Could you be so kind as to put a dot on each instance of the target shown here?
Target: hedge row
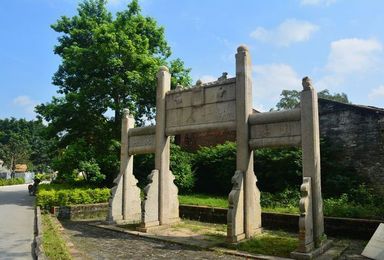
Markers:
(14, 181)
(48, 196)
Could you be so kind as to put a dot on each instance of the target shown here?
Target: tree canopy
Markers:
(109, 63)
(291, 98)
(23, 141)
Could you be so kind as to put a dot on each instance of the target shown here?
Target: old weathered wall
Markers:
(357, 133)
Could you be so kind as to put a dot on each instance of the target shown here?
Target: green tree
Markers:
(291, 98)
(109, 63)
(24, 141)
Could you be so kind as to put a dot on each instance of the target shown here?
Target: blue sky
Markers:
(338, 43)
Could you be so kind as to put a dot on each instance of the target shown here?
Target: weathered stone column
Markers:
(125, 201)
(168, 200)
(131, 193)
(311, 155)
(244, 158)
(306, 219)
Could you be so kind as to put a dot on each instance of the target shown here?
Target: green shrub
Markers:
(62, 195)
(214, 168)
(278, 169)
(92, 171)
(180, 165)
(13, 181)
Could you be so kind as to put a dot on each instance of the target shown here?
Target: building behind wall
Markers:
(356, 132)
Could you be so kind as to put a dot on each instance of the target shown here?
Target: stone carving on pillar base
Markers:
(172, 215)
(150, 204)
(235, 215)
(306, 243)
(132, 201)
(115, 213)
(254, 219)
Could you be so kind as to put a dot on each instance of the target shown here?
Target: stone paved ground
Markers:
(104, 244)
(100, 243)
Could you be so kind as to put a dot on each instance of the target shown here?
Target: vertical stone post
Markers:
(244, 158)
(131, 193)
(125, 201)
(167, 198)
(311, 155)
(306, 219)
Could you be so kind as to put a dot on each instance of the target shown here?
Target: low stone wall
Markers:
(86, 211)
(339, 227)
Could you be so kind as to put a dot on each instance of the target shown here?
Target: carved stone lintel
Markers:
(235, 215)
(150, 204)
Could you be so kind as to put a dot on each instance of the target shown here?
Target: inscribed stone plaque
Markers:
(201, 105)
(277, 134)
(375, 246)
(281, 129)
(141, 144)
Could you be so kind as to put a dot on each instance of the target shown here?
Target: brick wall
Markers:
(357, 133)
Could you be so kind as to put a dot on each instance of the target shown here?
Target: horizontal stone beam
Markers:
(146, 130)
(275, 117)
(286, 141)
(141, 150)
(230, 126)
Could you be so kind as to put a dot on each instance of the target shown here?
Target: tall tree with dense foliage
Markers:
(23, 141)
(291, 98)
(109, 63)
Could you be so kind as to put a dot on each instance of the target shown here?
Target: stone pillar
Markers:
(306, 243)
(235, 215)
(150, 205)
(125, 201)
(311, 155)
(168, 200)
(131, 193)
(244, 158)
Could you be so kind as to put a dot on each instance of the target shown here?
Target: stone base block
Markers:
(124, 222)
(171, 221)
(145, 227)
(255, 232)
(236, 238)
(313, 254)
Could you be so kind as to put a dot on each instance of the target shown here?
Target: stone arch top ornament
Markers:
(225, 104)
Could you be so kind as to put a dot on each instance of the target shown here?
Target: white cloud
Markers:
(352, 55)
(288, 32)
(22, 101)
(377, 92)
(26, 103)
(270, 80)
(207, 78)
(317, 2)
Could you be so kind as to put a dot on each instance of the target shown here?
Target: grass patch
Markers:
(222, 202)
(201, 227)
(275, 243)
(288, 203)
(53, 244)
(204, 200)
